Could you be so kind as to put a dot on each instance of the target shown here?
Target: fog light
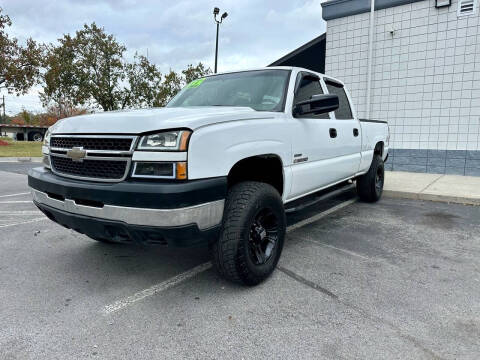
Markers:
(154, 170)
(46, 161)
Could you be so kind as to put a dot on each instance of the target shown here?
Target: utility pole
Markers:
(3, 106)
(216, 11)
(216, 48)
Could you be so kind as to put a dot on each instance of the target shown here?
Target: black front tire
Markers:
(246, 251)
(370, 185)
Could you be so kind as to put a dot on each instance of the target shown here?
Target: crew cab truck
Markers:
(218, 165)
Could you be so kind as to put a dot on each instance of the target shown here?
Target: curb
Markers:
(431, 197)
(21, 159)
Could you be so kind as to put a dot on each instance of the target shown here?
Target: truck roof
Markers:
(278, 68)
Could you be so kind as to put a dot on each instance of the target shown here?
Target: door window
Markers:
(309, 86)
(344, 112)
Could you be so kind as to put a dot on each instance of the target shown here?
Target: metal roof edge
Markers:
(300, 49)
(335, 9)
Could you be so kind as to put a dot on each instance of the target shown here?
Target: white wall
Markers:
(426, 76)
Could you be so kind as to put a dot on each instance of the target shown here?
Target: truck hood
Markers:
(139, 121)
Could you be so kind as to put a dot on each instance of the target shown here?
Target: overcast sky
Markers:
(174, 33)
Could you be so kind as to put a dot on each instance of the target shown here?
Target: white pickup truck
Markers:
(218, 166)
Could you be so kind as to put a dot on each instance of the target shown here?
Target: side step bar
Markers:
(321, 195)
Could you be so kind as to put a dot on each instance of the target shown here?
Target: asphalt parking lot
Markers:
(399, 279)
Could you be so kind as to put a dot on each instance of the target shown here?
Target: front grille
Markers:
(92, 143)
(95, 169)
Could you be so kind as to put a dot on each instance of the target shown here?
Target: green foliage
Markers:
(195, 72)
(89, 69)
(86, 69)
(144, 81)
(171, 85)
(61, 88)
(19, 65)
(99, 66)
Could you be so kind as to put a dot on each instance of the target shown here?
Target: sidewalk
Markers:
(434, 187)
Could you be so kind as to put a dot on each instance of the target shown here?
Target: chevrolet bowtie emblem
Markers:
(76, 154)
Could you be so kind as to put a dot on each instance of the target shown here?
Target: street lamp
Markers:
(216, 11)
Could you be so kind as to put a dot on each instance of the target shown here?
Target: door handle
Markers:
(355, 132)
(333, 133)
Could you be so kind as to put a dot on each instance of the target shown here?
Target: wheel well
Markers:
(262, 168)
(379, 148)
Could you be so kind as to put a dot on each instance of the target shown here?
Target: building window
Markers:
(467, 7)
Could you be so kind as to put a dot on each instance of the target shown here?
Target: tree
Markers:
(23, 118)
(89, 69)
(99, 64)
(19, 65)
(171, 85)
(195, 72)
(56, 113)
(144, 82)
(62, 90)
(173, 82)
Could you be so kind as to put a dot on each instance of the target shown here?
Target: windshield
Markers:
(262, 90)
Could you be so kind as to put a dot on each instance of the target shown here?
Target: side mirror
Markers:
(318, 104)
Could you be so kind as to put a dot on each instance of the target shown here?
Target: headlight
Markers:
(166, 141)
(46, 138)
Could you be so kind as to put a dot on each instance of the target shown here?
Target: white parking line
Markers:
(24, 222)
(21, 213)
(339, 249)
(167, 284)
(25, 193)
(16, 202)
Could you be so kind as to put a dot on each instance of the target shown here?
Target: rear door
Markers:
(348, 129)
(317, 143)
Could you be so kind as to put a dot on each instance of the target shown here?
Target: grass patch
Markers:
(20, 148)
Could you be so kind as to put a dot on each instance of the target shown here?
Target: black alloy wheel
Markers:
(263, 236)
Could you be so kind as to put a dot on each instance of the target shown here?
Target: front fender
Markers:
(214, 150)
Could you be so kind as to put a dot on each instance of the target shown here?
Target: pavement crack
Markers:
(362, 312)
(433, 182)
(416, 342)
(307, 282)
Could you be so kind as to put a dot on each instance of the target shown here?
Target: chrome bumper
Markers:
(204, 215)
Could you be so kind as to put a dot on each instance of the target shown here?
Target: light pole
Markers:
(216, 11)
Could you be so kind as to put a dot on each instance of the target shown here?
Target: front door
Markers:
(317, 144)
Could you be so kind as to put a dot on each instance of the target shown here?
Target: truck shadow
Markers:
(108, 266)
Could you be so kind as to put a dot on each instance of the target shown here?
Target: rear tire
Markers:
(370, 185)
(252, 235)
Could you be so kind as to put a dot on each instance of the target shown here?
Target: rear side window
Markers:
(309, 86)
(344, 112)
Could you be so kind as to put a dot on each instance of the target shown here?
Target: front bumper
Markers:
(142, 211)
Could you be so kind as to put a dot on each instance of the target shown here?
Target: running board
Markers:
(321, 195)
